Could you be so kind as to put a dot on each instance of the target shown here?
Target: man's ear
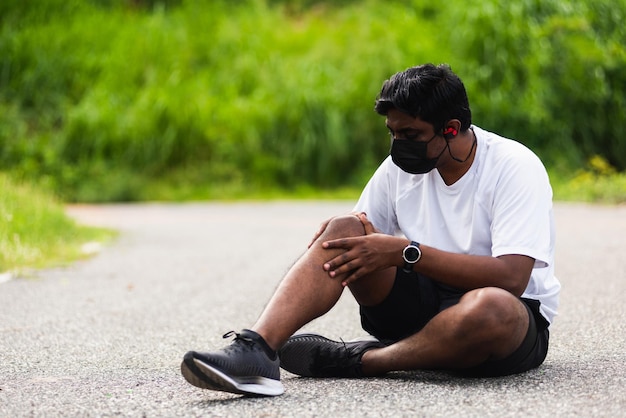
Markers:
(452, 129)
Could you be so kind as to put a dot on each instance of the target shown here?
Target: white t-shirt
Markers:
(501, 205)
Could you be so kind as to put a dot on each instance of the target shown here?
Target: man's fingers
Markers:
(337, 243)
(367, 225)
(348, 281)
(338, 262)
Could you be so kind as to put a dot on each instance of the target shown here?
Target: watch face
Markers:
(411, 254)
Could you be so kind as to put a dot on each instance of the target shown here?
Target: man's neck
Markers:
(456, 168)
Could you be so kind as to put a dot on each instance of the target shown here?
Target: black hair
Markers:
(433, 93)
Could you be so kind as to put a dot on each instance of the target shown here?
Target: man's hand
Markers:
(365, 254)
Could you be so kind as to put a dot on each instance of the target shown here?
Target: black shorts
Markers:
(415, 299)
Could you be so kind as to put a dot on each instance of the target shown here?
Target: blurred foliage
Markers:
(36, 232)
(597, 181)
(100, 100)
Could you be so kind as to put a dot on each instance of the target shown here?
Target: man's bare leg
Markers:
(307, 291)
(487, 323)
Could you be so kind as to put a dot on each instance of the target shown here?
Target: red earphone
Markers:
(450, 133)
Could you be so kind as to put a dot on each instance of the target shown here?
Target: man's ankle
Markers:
(271, 353)
(369, 364)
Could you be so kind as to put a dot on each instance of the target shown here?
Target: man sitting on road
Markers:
(449, 254)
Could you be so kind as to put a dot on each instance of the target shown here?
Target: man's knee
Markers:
(344, 226)
(491, 309)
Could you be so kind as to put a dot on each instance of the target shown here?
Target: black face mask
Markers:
(411, 156)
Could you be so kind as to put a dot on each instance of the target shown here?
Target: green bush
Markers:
(597, 181)
(101, 100)
(551, 73)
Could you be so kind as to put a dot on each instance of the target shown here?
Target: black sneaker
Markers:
(312, 355)
(247, 366)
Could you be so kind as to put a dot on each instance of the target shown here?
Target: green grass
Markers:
(593, 188)
(598, 182)
(35, 232)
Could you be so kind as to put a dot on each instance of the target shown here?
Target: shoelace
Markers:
(238, 338)
(230, 334)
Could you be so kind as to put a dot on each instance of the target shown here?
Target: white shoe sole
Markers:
(252, 385)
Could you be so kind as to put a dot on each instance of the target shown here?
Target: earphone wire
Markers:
(470, 151)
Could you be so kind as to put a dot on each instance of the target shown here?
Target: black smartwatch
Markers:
(411, 255)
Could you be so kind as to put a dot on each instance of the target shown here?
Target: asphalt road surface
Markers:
(105, 336)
